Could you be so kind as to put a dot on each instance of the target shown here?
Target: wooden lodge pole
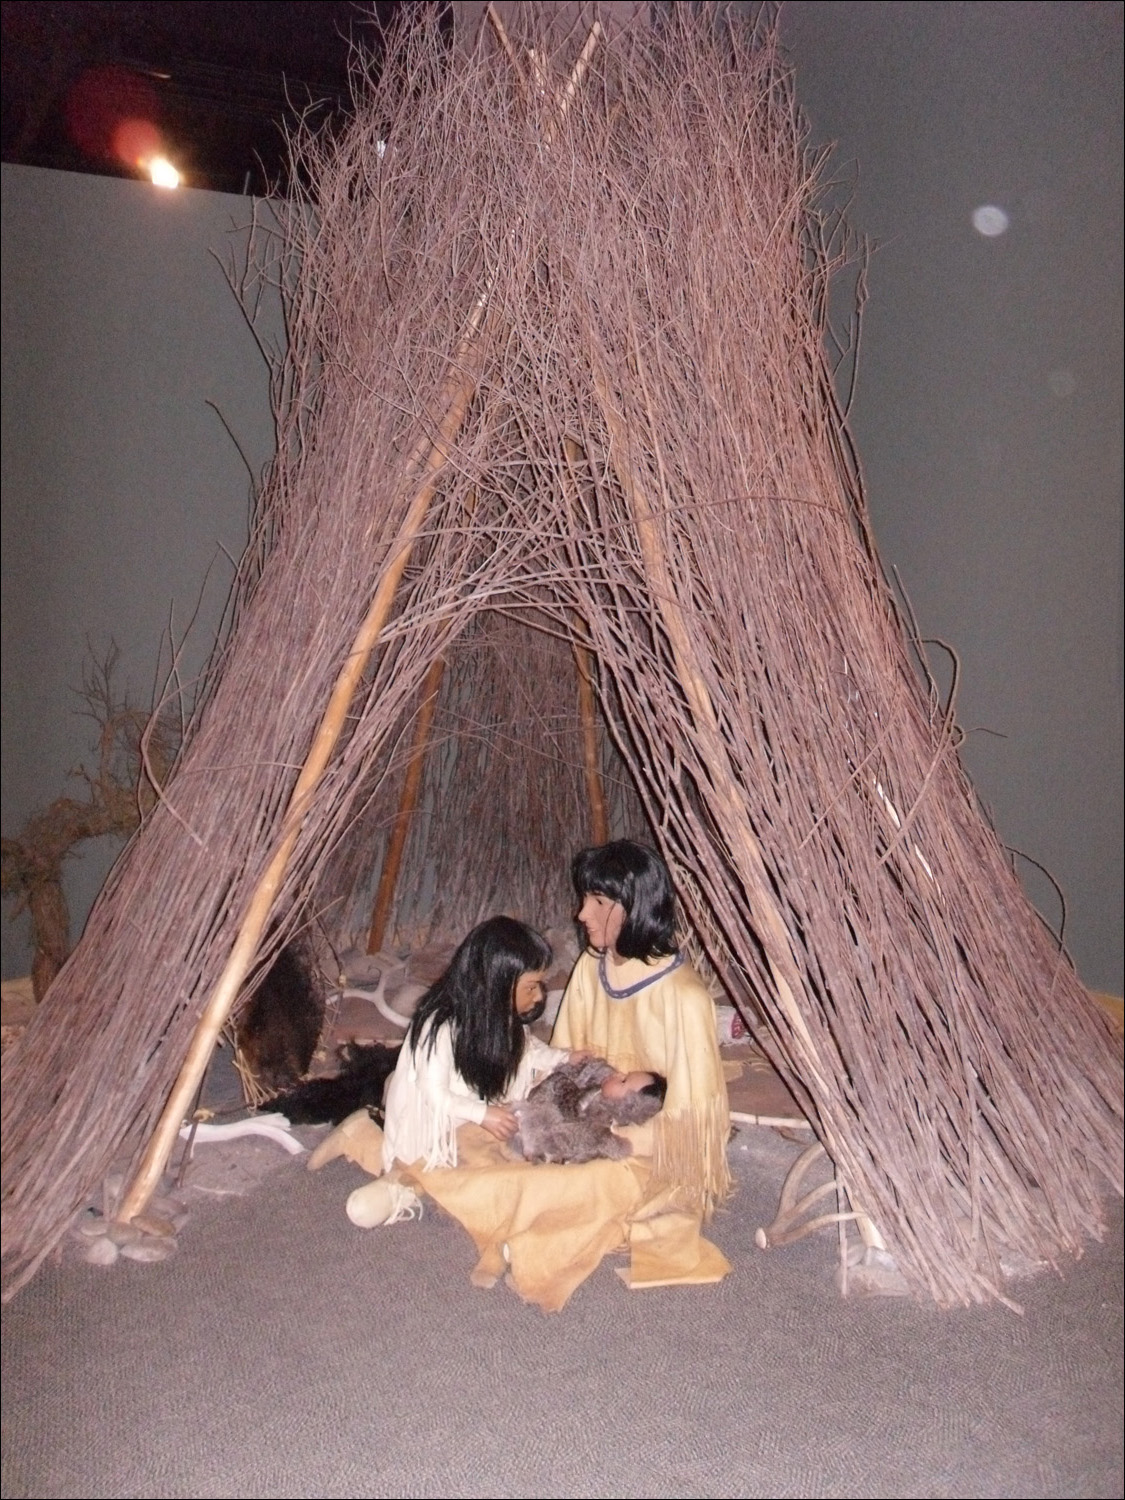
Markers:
(392, 862)
(411, 788)
(583, 661)
(691, 678)
(412, 785)
(595, 791)
(428, 459)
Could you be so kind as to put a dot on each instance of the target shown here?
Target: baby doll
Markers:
(567, 1117)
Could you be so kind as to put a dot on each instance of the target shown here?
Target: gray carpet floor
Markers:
(283, 1352)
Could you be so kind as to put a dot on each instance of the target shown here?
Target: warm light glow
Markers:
(136, 142)
(163, 173)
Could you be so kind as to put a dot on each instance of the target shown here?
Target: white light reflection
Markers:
(989, 220)
(163, 173)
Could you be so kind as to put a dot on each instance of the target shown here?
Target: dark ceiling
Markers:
(212, 85)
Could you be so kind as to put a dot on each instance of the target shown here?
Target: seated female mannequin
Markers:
(634, 1000)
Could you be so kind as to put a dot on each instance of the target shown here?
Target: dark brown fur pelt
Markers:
(277, 1030)
(364, 1070)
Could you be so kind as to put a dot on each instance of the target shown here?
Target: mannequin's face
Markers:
(531, 995)
(603, 920)
(619, 1085)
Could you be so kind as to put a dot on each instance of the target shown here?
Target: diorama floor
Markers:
(283, 1352)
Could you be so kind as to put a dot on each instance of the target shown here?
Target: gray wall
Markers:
(124, 498)
(988, 407)
(988, 415)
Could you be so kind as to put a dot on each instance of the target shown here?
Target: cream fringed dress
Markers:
(427, 1099)
(658, 1017)
(544, 1228)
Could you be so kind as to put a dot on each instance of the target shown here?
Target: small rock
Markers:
(166, 1206)
(153, 1225)
(149, 1250)
(100, 1252)
(872, 1273)
(123, 1234)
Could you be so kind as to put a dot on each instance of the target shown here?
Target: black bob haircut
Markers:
(636, 876)
(476, 997)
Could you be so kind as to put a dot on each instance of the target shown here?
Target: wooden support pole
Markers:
(705, 719)
(577, 73)
(427, 460)
(595, 792)
(509, 51)
(706, 726)
(567, 91)
(412, 785)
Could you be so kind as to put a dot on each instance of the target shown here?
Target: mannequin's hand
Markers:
(500, 1122)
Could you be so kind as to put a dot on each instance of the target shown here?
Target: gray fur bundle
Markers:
(566, 1118)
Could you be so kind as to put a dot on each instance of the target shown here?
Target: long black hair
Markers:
(476, 996)
(636, 876)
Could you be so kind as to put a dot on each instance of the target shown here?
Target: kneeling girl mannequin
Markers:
(468, 1048)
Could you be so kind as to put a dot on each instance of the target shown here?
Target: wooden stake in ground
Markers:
(460, 386)
(412, 785)
(688, 670)
(595, 792)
